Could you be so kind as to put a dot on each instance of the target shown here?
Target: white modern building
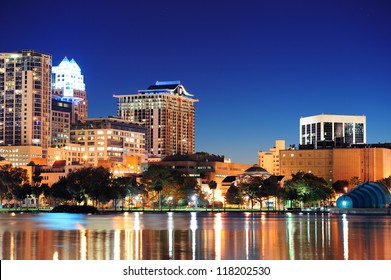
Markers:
(68, 86)
(340, 129)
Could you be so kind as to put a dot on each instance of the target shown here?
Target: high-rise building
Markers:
(337, 130)
(25, 98)
(166, 109)
(68, 86)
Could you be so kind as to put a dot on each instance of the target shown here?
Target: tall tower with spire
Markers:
(69, 103)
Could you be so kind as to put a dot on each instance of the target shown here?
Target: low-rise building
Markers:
(111, 142)
(370, 162)
(205, 168)
(271, 160)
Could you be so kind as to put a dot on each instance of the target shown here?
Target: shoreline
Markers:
(335, 211)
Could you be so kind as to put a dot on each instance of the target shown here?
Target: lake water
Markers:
(196, 235)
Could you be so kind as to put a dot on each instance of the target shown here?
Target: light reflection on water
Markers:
(194, 236)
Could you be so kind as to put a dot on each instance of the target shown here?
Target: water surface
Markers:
(198, 236)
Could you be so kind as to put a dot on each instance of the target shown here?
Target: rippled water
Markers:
(199, 236)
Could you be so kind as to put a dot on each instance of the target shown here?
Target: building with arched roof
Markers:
(365, 195)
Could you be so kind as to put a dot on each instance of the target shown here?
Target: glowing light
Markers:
(218, 226)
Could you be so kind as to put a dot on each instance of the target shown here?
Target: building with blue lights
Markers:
(68, 86)
(166, 109)
(365, 195)
(69, 101)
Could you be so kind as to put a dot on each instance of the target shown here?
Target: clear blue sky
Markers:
(255, 66)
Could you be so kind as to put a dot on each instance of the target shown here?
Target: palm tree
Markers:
(213, 186)
(158, 186)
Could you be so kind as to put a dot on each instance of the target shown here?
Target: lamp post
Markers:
(194, 198)
(169, 200)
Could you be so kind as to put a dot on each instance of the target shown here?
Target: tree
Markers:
(213, 186)
(20, 193)
(10, 178)
(158, 187)
(233, 195)
(354, 181)
(340, 186)
(308, 188)
(89, 182)
(386, 182)
(270, 187)
(59, 191)
(37, 179)
(252, 189)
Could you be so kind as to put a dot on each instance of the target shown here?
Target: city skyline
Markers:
(255, 66)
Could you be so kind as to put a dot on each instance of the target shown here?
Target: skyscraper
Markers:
(69, 103)
(68, 86)
(166, 109)
(25, 98)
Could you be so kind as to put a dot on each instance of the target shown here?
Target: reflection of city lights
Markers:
(345, 238)
(117, 245)
(193, 227)
(218, 226)
(170, 225)
(83, 245)
(290, 237)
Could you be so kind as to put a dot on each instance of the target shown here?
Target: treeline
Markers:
(161, 186)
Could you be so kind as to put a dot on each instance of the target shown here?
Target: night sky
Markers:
(255, 66)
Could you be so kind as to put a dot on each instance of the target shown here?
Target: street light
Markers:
(194, 198)
(169, 203)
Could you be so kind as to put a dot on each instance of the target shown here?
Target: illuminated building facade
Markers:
(332, 130)
(318, 162)
(111, 142)
(61, 121)
(25, 98)
(166, 109)
(68, 86)
(271, 160)
(367, 162)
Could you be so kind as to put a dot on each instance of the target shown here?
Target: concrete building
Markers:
(25, 98)
(318, 162)
(111, 142)
(367, 162)
(166, 110)
(271, 160)
(61, 122)
(22, 155)
(332, 130)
